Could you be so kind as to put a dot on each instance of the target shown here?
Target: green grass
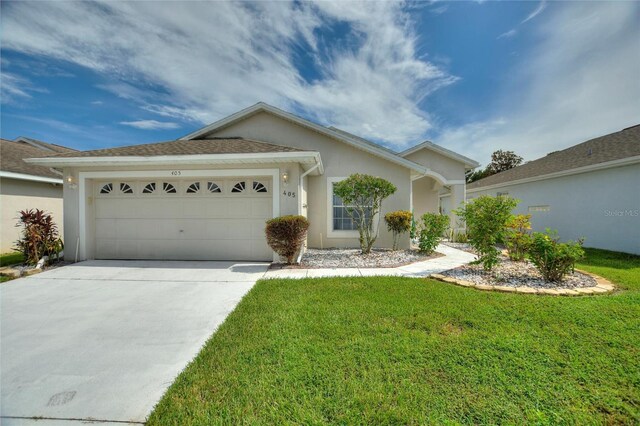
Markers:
(11, 258)
(408, 351)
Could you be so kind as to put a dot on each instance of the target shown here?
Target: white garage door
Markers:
(190, 219)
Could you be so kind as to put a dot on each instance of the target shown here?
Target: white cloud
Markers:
(508, 34)
(97, 102)
(205, 60)
(150, 124)
(15, 88)
(538, 10)
(581, 81)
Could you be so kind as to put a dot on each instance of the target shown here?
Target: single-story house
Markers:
(207, 195)
(589, 190)
(27, 186)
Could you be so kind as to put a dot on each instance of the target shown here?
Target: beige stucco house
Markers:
(27, 186)
(207, 195)
(589, 190)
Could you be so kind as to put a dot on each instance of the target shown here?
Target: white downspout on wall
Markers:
(300, 206)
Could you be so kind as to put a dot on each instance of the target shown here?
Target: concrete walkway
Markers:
(452, 259)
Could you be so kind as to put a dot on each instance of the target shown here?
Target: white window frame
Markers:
(331, 233)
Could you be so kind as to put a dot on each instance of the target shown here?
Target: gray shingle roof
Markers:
(615, 146)
(11, 159)
(45, 145)
(184, 147)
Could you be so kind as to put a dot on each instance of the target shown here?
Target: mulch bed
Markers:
(352, 258)
(517, 274)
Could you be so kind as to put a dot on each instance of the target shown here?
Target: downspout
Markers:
(302, 176)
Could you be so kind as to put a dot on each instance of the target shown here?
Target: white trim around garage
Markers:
(174, 174)
(593, 167)
(33, 178)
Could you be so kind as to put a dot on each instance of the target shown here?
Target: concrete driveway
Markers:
(102, 340)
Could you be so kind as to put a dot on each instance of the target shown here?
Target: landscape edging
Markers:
(602, 286)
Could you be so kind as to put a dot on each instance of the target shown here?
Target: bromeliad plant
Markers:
(552, 258)
(398, 222)
(286, 234)
(362, 196)
(39, 236)
(486, 218)
(432, 228)
(518, 238)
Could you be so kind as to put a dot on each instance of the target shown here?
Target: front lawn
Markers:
(411, 351)
(9, 259)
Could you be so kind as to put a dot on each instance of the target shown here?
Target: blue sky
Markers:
(531, 77)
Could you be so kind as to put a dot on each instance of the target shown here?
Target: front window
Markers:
(341, 219)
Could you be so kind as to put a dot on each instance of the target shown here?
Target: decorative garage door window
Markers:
(239, 187)
(125, 188)
(194, 188)
(259, 187)
(149, 188)
(107, 188)
(213, 187)
(168, 188)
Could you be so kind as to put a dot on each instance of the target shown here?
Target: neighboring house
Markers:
(590, 190)
(207, 195)
(27, 186)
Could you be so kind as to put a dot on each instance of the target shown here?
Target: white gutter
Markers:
(33, 178)
(167, 160)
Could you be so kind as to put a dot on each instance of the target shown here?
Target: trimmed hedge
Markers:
(286, 234)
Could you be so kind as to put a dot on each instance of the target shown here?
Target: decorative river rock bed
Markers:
(351, 258)
(523, 277)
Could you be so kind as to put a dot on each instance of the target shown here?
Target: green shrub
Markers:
(39, 236)
(398, 222)
(517, 238)
(362, 196)
(286, 234)
(554, 259)
(486, 219)
(432, 228)
(458, 237)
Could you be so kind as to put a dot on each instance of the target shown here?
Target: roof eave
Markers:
(469, 163)
(28, 177)
(305, 157)
(593, 167)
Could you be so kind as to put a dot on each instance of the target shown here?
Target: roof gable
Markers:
(468, 162)
(332, 133)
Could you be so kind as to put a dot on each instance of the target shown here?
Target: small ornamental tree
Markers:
(486, 219)
(517, 238)
(39, 236)
(432, 228)
(362, 196)
(554, 259)
(286, 234)
(398, 222)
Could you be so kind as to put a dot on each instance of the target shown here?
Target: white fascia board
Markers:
(443, 151)
(271, 157)
(591, 168)
(262, 107)
(33, 178)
